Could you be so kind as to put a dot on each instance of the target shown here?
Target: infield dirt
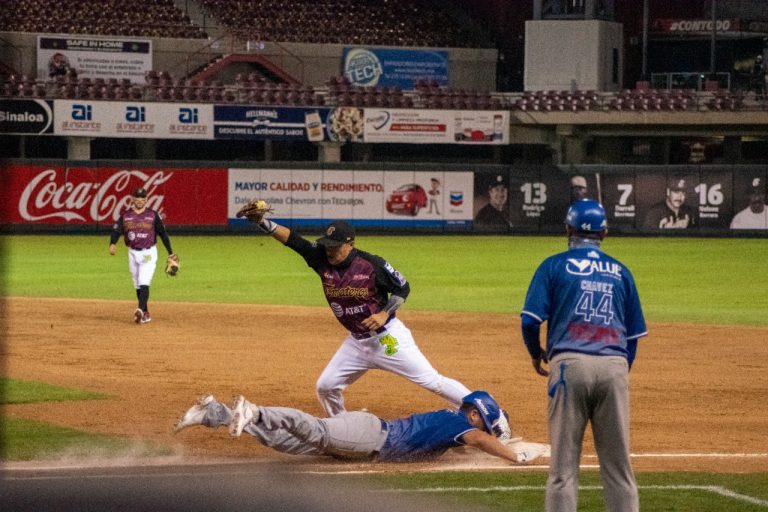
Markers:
(695, 389)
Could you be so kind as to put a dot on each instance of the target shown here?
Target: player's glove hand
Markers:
(172, 265)
(254, 211)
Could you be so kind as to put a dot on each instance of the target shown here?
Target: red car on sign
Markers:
(407, 200)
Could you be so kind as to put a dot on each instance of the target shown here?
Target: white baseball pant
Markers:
(142, 264)
(393, 350)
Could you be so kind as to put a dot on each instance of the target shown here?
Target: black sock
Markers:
(143, 294)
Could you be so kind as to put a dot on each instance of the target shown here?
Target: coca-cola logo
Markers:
(98, 201)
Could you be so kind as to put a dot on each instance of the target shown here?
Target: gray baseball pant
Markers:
(349, 435)
(585, 388)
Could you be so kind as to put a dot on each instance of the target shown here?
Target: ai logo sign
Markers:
(135, 114)
(82, 112)
(188, 116)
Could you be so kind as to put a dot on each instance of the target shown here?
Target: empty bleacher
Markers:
(138, 18)
(354, 22)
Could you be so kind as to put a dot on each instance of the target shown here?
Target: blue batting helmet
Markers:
(487, 405)
(586, 215)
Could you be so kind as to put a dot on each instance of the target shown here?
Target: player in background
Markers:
(140, 226)
(364, 292)
(578, 188)
(594, 321)
(360, 435)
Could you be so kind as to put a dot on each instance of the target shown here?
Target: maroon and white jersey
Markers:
(140, 230)
(355, 289)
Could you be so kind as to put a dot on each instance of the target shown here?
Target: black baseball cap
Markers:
(676, 183)
(756, 185)
(140, 192)
(496, 180)
(337, 233)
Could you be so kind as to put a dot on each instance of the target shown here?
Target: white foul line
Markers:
(716, 489)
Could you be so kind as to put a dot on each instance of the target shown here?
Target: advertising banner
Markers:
(93, 58)
(97, 195)
(287, 123)
(678, 26)
(377, 198)
(387, 67)
(418, 126)
(133, 119)
(26, 116)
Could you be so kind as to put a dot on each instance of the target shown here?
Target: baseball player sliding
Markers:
(364, 292)
(360, 435)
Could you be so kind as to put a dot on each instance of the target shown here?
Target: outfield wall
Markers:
(89, 196)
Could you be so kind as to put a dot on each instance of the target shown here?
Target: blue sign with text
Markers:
(268, 123)
(391, 67)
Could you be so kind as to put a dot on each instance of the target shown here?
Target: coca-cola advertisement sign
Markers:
(87, 195)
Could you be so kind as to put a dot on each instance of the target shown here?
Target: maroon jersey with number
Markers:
(356, 288)
(140, 230)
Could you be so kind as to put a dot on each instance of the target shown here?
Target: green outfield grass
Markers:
(27, 392)
(713, 281)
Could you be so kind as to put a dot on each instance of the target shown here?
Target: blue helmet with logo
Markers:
(487, 405)
(586, 215)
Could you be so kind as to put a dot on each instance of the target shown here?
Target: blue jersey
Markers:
(424, 436)
(589, 301)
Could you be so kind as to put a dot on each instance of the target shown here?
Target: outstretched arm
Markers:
(489, 444)
(278, 232)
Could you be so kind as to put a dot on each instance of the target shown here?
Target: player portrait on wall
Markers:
(493, 200)
(755, 215)
(673, 212)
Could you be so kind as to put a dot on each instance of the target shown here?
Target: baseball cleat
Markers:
(145, 318)
(528, 452)
(138, 315)
(242, 414)
(195, 414)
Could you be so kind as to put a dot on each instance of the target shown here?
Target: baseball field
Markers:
(85, 385)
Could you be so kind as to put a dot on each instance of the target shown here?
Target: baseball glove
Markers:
(172, 265)
(254, 211)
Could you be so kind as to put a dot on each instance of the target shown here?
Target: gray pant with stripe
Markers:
(349, 435)
(585, 388)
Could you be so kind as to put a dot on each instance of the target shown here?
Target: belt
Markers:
(369, 334)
